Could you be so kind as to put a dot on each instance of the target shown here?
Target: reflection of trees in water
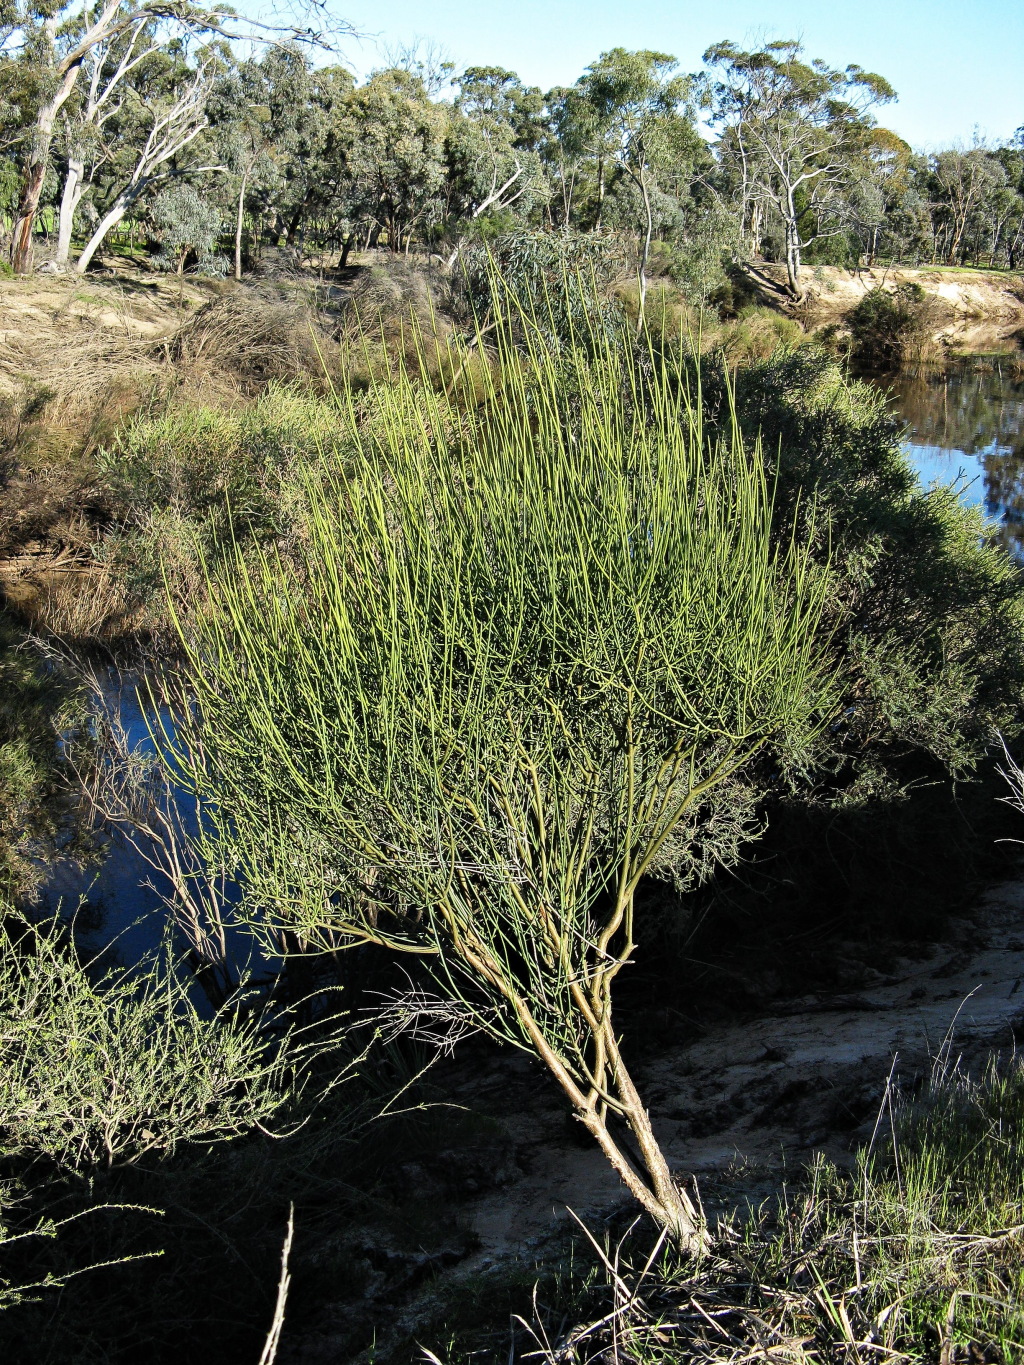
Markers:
(1004, 491)
(977, 409)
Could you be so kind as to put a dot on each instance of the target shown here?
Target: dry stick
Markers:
(269, 1354)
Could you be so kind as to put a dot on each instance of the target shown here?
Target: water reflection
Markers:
(967, 420)
(147, 883)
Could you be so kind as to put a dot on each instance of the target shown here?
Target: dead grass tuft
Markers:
(253, 340)
(398, 314)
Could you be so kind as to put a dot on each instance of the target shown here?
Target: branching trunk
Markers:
(639, 179)
(67, 73)
(608, 1088)
(496, 196)
(172, 131)
(108, 70)
(74, 187)
(106, 225)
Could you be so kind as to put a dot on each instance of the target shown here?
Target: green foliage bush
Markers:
(187, 224)
(187, 478)
(519, 658)
(929, 605)
(894, 821)
(890, 326)
(101, 1071)
(149, 1151)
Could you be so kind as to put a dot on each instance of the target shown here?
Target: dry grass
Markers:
(71, 383)
(75, 373)
(398, 316)
(252, 340)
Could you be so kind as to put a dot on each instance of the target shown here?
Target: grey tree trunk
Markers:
(74, 187)
(792, 249)
(107, 223)
(645, 253)
(238, 226)
(35, 172)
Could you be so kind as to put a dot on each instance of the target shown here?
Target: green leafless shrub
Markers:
(523, 645)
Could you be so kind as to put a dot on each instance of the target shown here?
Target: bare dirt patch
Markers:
(979, 311)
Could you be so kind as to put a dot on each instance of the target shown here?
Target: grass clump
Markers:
(181, 480)
(758, 333)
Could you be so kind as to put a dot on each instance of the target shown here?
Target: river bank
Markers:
(974, 311)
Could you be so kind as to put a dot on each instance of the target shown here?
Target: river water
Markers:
(965, 425)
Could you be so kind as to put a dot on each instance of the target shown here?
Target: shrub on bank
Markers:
(894, 823)
(37, 703)
(888, 327)
(187, 478)
(928, 604)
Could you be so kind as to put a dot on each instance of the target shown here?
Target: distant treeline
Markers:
(148, 124)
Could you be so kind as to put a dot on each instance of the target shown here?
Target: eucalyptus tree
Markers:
(241, 118)
(627, 107)
(59, 40)
(966, 183)
(390, 146)
(271, 121)
(536, 628)
(880, 179)
(160, 128)
(108, 71)
(493, 162)
(56, 39)
(187, 224)
(301, 103)
(794, 131)
(1012, 236)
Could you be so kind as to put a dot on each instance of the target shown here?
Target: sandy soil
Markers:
(983, 309)
(130, 302)
(805, 1076)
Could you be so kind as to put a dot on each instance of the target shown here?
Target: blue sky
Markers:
(957, 65)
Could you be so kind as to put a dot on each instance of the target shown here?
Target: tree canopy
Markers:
(104, 107)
